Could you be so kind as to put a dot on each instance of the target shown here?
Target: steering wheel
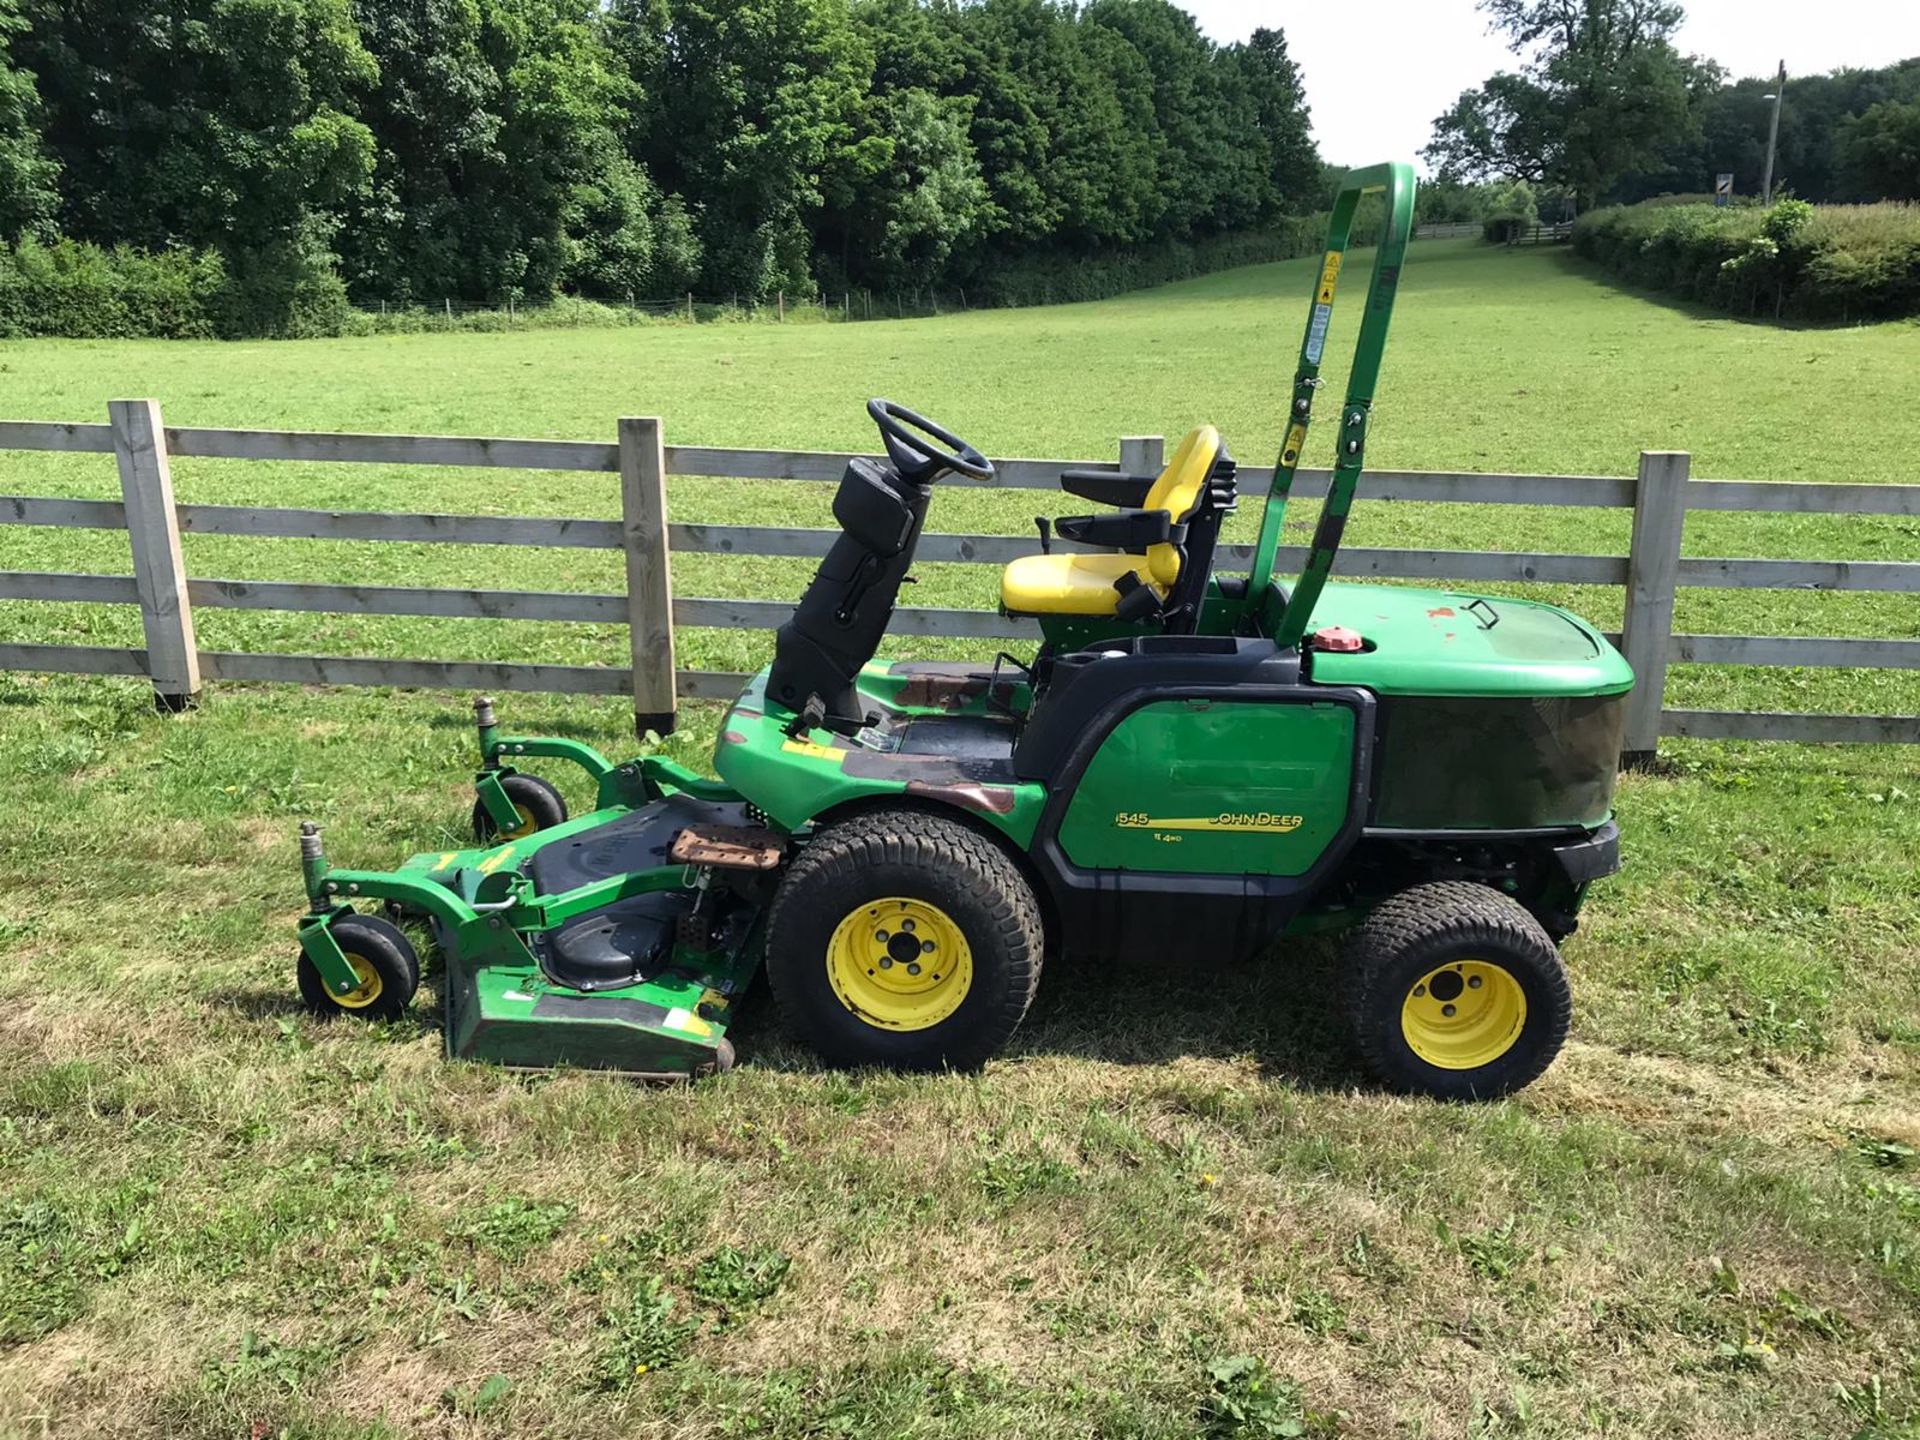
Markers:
(905, 435)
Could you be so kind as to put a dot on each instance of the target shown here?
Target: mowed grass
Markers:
(218, 1217)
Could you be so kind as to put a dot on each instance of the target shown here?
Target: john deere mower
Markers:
(1191, 767)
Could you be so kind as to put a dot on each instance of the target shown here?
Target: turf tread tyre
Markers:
(1419, 930)
(905, 852)
(384, 946)
(542, 800)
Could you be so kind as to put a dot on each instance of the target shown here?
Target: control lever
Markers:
(813, 716)
(1046, 534)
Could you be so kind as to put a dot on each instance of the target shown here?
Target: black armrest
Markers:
(1132, 530)
(1107, 487)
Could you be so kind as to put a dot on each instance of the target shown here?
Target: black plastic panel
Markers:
(1454, 763)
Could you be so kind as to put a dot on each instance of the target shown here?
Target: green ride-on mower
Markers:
(1191, 767)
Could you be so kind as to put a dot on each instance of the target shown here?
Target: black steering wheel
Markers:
(905, 435)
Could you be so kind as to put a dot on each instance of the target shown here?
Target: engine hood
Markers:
(1454, 642)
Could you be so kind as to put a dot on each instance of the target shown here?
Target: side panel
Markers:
(1210, 787)
(1496, 763)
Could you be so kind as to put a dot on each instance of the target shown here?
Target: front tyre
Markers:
(538, 804)
(384, 962)
(906, 940)
(1454, 991)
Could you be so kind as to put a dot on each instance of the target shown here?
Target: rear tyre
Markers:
(906, 940)
(1454, 991)
(539, 805)
(383, 959)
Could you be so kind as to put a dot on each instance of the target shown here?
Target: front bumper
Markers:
(1593, 858)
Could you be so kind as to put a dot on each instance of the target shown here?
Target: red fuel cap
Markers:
(1337, 640)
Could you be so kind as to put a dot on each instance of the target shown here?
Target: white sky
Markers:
(1378, 71)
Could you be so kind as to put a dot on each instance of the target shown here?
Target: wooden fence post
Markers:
(643, 511)
(153, 532)
(1142, 454)
(1653, 569)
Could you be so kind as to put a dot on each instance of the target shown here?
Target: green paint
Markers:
(1450, 642)
(316, 939)
(493, 799)
(796, 779)
(1201, 787)
(670, 1025)
(1397, 181)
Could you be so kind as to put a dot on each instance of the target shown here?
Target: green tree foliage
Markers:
(1882, 147)
(1280, 128)
(479, 150)
(503, 168)
(1603, 94)
(222, 123)
(27, 199)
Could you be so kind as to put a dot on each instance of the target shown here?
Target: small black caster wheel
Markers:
(539, 805)
(382, 958)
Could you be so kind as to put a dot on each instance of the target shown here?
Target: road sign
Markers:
(1722, 189)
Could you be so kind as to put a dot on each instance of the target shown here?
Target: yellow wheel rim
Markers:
(899, 963)
(369, 988)
(1466, 1014)
(525, 828)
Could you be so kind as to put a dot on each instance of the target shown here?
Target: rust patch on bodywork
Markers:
(933, 685)
(988, 799)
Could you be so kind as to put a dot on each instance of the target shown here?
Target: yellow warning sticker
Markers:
(494, 861)
(1296, 441)
(815, 752)
(1330, 276)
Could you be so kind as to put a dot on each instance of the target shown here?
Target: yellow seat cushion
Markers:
(1083, 584)
(1069, 584)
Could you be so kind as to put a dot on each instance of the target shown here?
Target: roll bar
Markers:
(1396, 180)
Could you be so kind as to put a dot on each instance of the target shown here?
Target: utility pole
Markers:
(1773, 132)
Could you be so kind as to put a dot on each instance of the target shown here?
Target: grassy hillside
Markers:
(1175, 1208)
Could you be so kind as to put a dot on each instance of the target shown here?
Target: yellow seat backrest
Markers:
(1178, 492)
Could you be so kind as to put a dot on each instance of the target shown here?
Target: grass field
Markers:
(1174, 1208)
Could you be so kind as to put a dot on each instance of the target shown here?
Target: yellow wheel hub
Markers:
(369, 988)
(1466, 1014)
(899, 963)
(525, 828)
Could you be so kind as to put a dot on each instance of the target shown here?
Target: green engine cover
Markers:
(1215, 787)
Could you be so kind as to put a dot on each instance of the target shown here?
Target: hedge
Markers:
(83, 291)
(1827, 262)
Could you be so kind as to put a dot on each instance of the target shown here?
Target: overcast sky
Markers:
(1378, 71)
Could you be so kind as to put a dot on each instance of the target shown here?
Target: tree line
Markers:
(412, 151)
(1604, 108)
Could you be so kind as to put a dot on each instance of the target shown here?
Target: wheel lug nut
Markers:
(926, 947)
(881, 936)
(885, 963)
(1446, 1010)
(1419, 990)
(1474, 983)
(907, 925)
(912, 968)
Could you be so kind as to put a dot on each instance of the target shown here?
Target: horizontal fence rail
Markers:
(1660, 496)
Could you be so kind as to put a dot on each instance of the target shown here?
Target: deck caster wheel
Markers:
(382, 958)
(905, 940)
(539, 805)
(1455, 991)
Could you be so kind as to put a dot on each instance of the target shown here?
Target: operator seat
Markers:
(1166, 543)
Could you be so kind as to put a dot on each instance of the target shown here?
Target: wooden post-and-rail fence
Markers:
(1660, 495)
